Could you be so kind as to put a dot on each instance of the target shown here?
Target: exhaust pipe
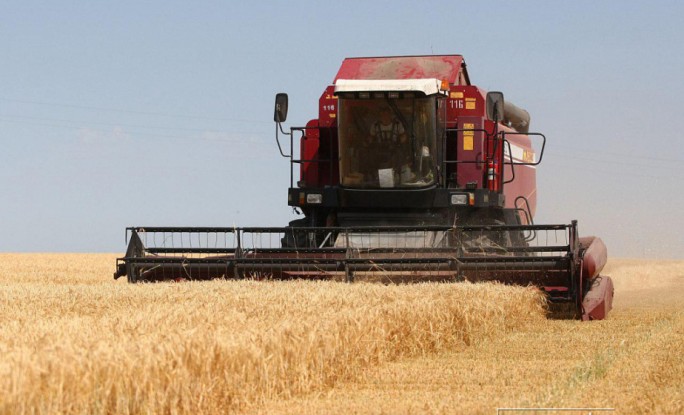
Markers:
(517, 118)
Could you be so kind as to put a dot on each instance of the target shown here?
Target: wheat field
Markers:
(75, 341)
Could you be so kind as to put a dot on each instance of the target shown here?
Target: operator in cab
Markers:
(388, 149)
(386, 143)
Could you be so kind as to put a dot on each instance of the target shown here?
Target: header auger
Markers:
(408, 173)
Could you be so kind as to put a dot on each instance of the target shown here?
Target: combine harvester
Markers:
(409, 172)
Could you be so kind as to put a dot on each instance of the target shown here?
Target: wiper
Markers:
(409, 131)
(399, 115)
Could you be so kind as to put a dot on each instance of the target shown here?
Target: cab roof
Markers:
(444, 67)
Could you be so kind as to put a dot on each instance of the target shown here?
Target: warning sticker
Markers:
(468, 142)
(470, 103)
(468, 135)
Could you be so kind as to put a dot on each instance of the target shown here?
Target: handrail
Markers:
(294, 161)
(487, 152)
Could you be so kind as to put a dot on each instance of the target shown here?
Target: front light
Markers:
(459, 199)
(444, 85)
(314, 198)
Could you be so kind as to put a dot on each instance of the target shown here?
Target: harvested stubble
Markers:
(631, 362)
(80, 343)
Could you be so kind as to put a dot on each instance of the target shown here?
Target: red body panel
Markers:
(599, 300)
(319, 149)
(525, 176)
(327, 108)
(595, 256)
(465, 108)
(449, 67)
(309, 149)
(469, 148)
(465, 101)
(465, 111)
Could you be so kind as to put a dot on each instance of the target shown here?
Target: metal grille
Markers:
(189, 242)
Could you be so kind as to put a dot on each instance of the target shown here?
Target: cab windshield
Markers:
(387, 142)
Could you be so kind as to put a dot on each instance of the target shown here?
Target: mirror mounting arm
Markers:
(280, 148)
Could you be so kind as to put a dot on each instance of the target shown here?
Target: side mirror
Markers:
(495, 106)
(280, 113)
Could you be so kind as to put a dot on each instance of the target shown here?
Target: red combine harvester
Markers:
(409, 172)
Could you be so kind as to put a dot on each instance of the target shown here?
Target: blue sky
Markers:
(125, 113)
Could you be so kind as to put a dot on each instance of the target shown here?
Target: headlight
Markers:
(314, 198)
(459, 199)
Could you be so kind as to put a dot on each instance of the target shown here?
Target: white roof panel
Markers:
(429, 86)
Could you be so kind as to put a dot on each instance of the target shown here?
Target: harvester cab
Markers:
(408, 173)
